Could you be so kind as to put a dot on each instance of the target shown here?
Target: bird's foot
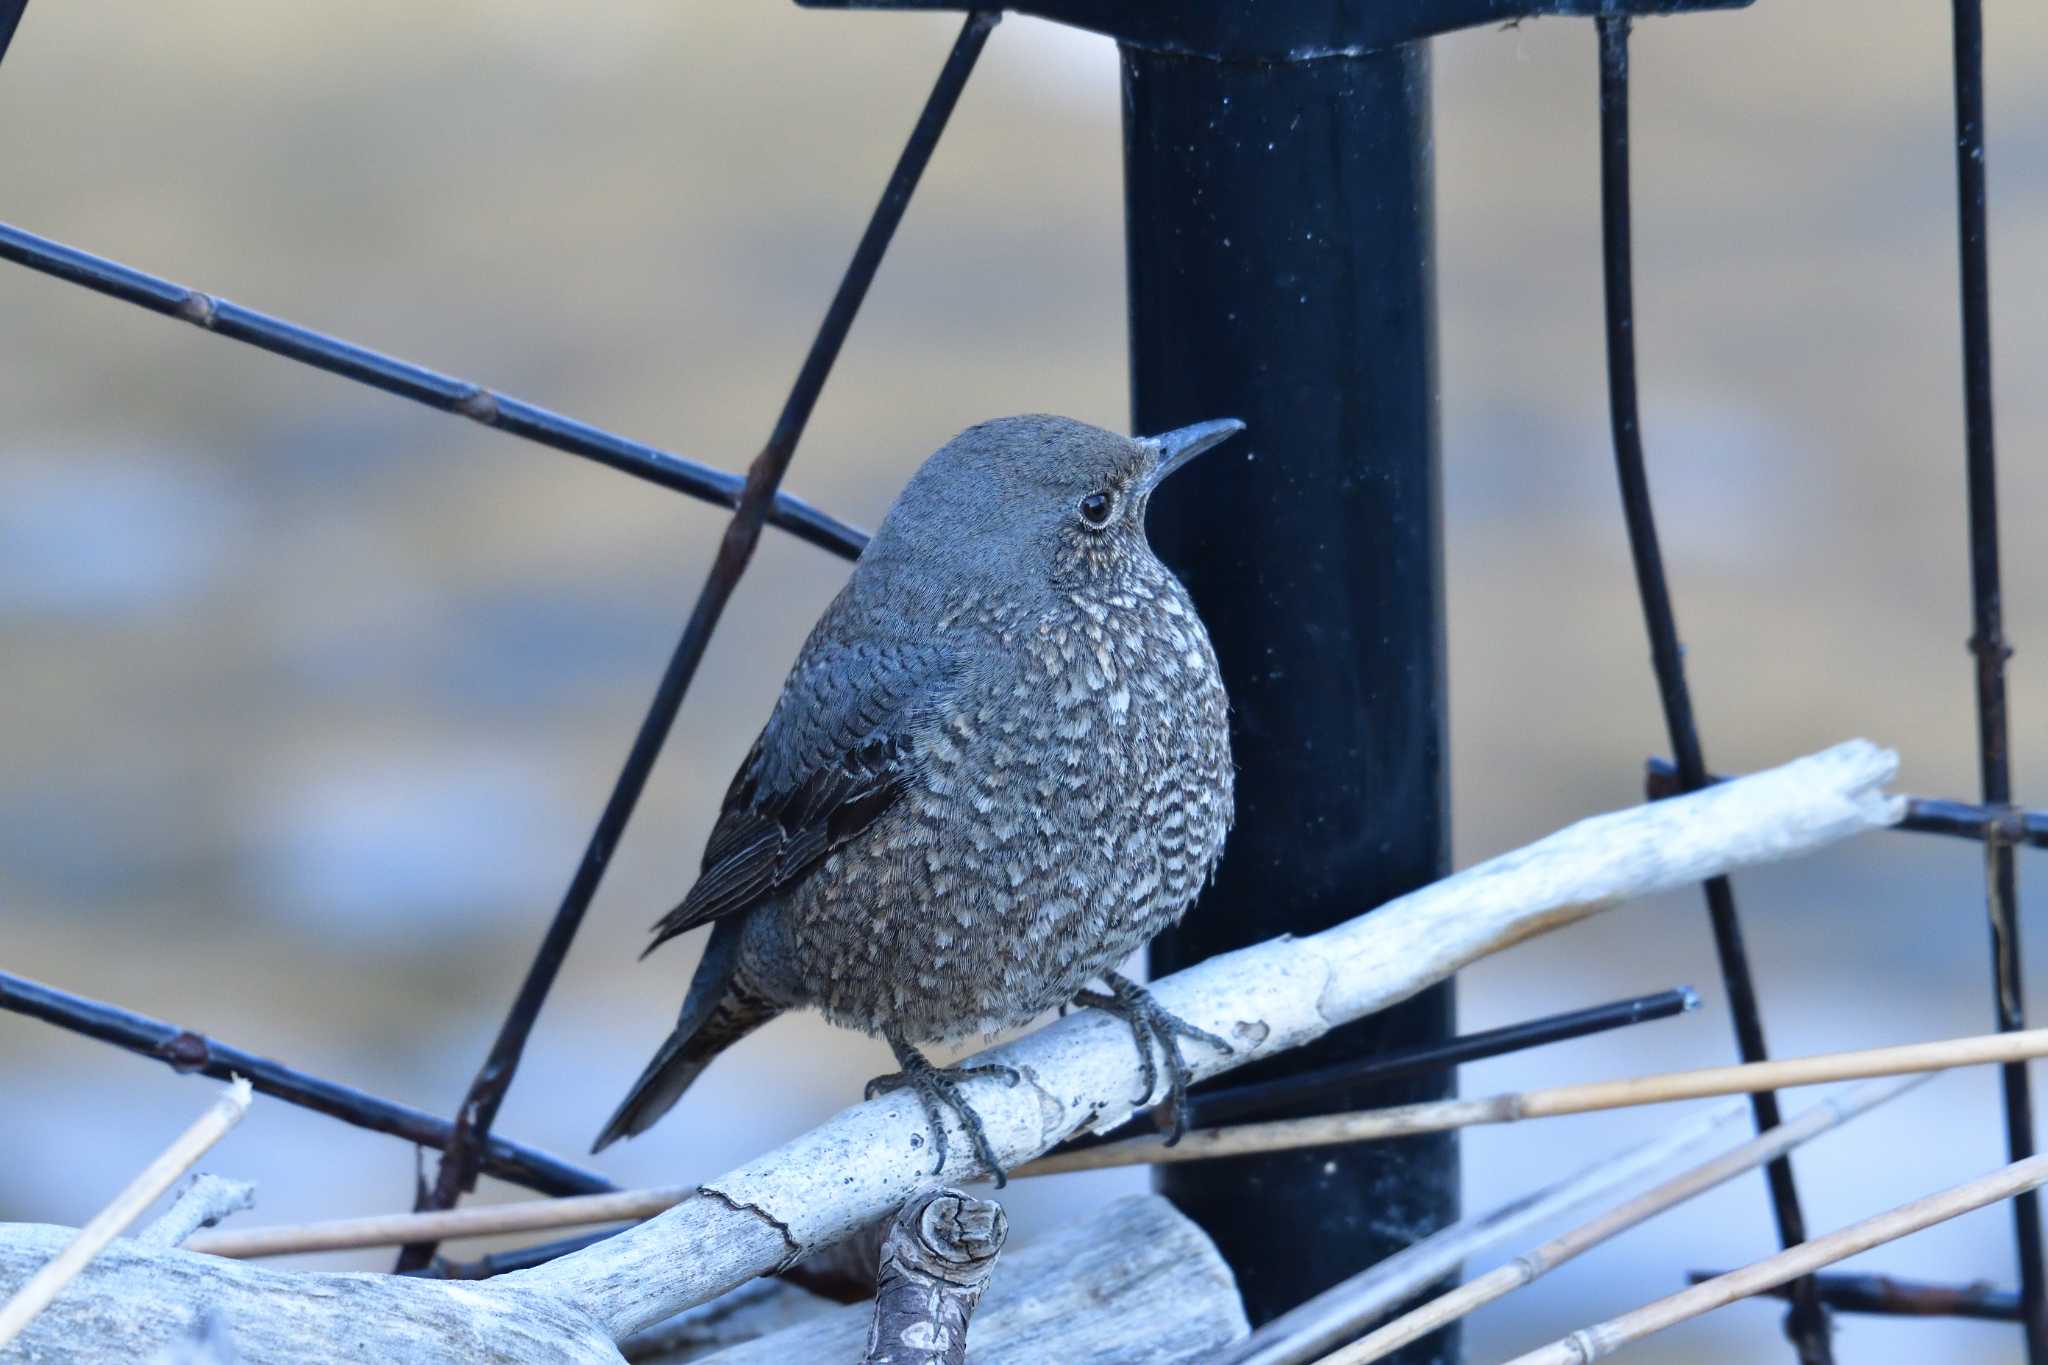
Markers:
(939, 1089)
(1153, 1023)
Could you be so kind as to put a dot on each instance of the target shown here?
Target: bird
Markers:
(998, 767)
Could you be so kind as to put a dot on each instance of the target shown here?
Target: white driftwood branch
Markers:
(1080, 1072)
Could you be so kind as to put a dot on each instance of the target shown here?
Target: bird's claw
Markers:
(938, 1089)
(1153, 1023)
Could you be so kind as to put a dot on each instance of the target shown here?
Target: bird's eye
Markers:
(1096, 507)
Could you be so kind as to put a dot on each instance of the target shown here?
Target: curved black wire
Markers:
(1808, 1324)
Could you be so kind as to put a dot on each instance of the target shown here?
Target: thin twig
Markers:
(1438, 1116)
(211, 1126)
(1533, 1265)
(205, 1200)
(1603, 1339)
(1334, 1315)
(484, 1220)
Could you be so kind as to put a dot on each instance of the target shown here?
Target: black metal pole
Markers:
(1280, 237)
(1988, 644)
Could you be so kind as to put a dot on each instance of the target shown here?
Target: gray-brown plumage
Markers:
(1000, 765)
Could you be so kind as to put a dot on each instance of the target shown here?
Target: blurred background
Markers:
(309, 696)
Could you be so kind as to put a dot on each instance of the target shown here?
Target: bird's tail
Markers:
(717, 1013)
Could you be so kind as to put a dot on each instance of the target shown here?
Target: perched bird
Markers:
(1000, 765)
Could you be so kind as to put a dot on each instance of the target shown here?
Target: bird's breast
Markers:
(1070, 802)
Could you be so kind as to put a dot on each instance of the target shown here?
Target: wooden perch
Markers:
(936, 1261)
(1079, 1072)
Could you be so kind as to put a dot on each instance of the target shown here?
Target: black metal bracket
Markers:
(1294, 30)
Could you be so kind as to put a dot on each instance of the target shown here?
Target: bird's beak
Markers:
(1177, 448)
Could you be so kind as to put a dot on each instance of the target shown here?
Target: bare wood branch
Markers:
(210, 1127)
(1080, 1072)
(1604, 1339)
(1533, 1265)
(205, 1200)
(936, 1261)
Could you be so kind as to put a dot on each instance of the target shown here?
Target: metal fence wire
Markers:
(468, 1144)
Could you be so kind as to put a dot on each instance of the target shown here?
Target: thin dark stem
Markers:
(480, 1107)
(495, 410)
(1267, 1099)
(518, 1258)
(2008, 825)
(1888, 1297)
(1988, 643)
(185, 1051)
(1807, 1324)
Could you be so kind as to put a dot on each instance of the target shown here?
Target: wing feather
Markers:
(836, 754)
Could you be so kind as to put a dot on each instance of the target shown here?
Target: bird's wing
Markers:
(835, 754)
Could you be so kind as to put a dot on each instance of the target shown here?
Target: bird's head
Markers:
(1036, 500)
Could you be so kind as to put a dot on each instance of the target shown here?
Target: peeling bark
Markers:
(935, 1263)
